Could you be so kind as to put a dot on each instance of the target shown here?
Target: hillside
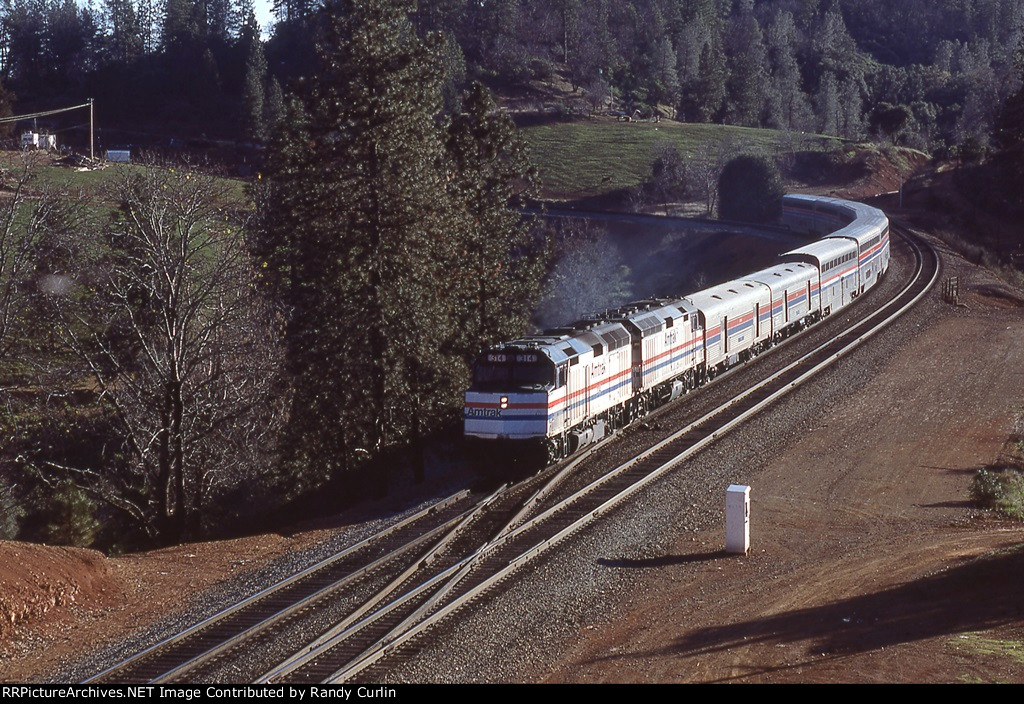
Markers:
(597, 156)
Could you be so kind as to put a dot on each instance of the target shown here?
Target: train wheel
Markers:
(555, 450)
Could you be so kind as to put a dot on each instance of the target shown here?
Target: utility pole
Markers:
(92, 140)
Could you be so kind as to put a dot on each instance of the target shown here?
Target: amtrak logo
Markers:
(483, 413)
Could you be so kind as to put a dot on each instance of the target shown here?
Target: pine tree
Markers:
(707, 91)
(183, 23)
(357, 220)
(1008, 141)
(11, 511)
(788, 107)
(273, 105)
(124, 36)
(747, 75)
(71, 517)
(6, 110)
(852, 104)
(221, 21)
(295, 11)
(830, 120)
(253, 102)
(500, 259)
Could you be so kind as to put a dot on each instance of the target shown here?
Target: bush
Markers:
(985, 488)
(11, 512)
(668, 179)
(71, 517)
(750, 189)
(1002, 491)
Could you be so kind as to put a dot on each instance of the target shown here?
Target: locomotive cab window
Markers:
(496, 371)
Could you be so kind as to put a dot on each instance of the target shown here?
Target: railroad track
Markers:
(215, 636)
(365, 651)
(402, 582)
(351, 583)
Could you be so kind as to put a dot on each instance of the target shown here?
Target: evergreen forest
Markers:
(929, 73)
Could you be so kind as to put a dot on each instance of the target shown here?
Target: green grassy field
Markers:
(97, 184)
(587, 158)
(575, 159)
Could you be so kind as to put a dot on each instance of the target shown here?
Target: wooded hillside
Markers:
(929, 74)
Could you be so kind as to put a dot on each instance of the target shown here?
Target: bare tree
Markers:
(706, 166)
(180, 350)
(590, 274)
(668, 181)
(28, 215)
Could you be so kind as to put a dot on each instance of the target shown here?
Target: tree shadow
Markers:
(966, 503)
(664, 560)
(953, 470)
(977, 594)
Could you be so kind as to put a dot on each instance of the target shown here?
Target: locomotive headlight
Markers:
(504, 402)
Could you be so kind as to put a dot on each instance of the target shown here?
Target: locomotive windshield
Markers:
(510, 369)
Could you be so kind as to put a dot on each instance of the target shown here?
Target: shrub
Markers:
(11, 512)
(71, 517)
(985, 488)
(1001, 491)
(750, 188)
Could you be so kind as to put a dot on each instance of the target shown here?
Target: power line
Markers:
(68, 128)
(45, 113)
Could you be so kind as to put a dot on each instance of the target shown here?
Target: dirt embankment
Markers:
(36, 581)
(57, 603)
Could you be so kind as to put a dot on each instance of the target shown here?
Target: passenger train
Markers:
(546, 396)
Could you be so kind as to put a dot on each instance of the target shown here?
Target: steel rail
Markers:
(307, 602)
(456, 526)
(385, 648)
(215, 618)
(474, 559)
(349, 627)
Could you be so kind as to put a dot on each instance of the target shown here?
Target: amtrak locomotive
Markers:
(543, 397)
